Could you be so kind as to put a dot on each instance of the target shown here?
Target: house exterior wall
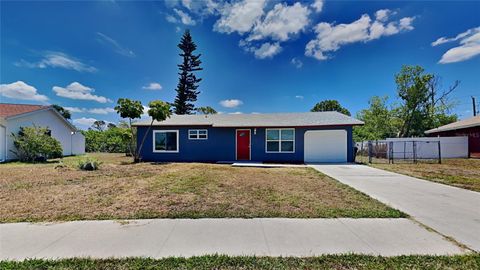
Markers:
(47, 118)
(473, 134)
(220, 145)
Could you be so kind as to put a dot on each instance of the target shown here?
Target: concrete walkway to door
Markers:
(451, 211)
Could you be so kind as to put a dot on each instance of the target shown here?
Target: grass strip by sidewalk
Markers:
(471, 261)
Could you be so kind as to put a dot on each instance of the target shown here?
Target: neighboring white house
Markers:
(14, 116)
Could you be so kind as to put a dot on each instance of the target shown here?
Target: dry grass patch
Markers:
(121, 190)
(462, 173)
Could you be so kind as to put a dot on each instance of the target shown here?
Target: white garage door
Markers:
(325, 146)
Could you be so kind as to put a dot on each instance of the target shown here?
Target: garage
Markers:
(327, 146)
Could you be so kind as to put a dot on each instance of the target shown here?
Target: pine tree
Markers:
(187, 82)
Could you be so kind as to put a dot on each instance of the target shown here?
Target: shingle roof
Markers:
(467, 123)
(258, 120)
(7, 110)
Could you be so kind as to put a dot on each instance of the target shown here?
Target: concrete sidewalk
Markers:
(451, 211)
(189, 237)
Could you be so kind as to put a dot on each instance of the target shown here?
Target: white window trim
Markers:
(198, 134)
(280, 141)
(165, 151)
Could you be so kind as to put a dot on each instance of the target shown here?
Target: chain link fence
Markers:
(404, 151)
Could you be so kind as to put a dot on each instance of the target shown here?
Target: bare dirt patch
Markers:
(122, 190)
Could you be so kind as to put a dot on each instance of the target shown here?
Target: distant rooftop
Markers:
(467, 123)
(259, 120)
(8, 110)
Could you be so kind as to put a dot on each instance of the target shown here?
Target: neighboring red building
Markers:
(469, 127)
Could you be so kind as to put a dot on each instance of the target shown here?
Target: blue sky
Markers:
(258, 56)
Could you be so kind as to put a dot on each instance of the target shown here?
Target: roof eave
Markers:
(70, 125)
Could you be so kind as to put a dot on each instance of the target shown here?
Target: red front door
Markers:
(243, 144)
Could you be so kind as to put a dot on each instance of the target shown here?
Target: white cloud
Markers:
(443, 40)
(239, 17)
(152, 86)
(201, 8)
(469, 46)
(281, 23)
(231, 103)
(299, 97)
(171, 19)
(318, 5)
(184, 17)
(331, 38)
(266, 50)
(75, 109)
(116, 46)
(106, 110)
(76, 90)
(84, 122)
(21, 90)
(101, 110)
(57, 60)
(296, 62)
(382, 15)
(235, 113)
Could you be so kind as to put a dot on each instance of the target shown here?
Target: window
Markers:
(165, 141)
(280, 140)
(197, 134)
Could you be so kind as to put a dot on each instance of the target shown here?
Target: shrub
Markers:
(35, 144)
(112, 140)
(88, 164)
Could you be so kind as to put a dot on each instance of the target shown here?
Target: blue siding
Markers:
(220, 145)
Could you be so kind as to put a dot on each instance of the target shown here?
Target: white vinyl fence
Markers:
(428, 148)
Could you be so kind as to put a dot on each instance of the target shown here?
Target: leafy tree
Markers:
(131, 110)
(158, 111)
(379, 121)
(330, 105)
(64, 112)
(99, 125)
(111, 125)
(34, 143)
(112, 140)
(422, 106)
(188, 81)
(206, 110)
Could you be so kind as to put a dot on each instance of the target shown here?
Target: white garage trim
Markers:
(3, 143)
(325, 146)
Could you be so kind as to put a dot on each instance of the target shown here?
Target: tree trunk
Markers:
(138, 158)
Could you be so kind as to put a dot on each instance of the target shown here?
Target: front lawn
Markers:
(471, 261)
(122, 190)
(462, 173)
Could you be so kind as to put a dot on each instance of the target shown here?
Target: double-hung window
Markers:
(165, 141)
(280, 140)
(197, 134)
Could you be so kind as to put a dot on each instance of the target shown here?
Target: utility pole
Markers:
(474, 106)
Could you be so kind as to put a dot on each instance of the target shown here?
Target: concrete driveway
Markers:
(451, 211)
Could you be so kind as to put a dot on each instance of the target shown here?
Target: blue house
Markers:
(275, 137)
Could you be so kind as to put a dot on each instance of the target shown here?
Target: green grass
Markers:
(59, 191)
(462, 173)
(471, 261)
